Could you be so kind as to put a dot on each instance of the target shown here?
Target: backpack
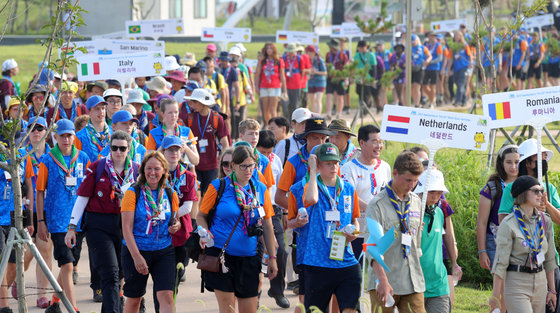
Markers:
(298, 60)
(286, 150)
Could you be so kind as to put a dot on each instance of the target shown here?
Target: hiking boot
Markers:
(52, 308)
(6, 310)
(97, 296)
(281, 300)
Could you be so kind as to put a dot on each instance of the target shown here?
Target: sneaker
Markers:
(75, 277)
(14, 290)
(42, 302)
(52, 308)
(7, 310)
(347, 110)
(281, 300)
(97, 296)
(291, 285)
(122, 304)
(142, 306)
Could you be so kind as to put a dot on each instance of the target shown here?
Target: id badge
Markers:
(203, 143)
(261, 212)
(540, 258)
(406, 240)
(338, 246)
(71, 181)
(8, 191)
(332, 216)
(7, 175)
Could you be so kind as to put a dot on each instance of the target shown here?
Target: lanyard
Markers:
(203, 131)
(324, 189)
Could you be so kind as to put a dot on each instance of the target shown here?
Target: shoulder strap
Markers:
(286, 150)
(136, 191)
(189, 120)
(135, 169)
(231, 234)
(215, 121)
(169, 192)
(100, 169)
(210, 217)
(543, 221)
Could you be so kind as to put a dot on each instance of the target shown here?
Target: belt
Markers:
(524, 269)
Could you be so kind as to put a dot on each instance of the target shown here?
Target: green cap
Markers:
(327, 152)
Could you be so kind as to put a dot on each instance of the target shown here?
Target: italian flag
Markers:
(88, 68)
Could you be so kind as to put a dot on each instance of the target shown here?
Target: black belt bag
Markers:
(524, 269)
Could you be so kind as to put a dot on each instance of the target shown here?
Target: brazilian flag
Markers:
(134, 29)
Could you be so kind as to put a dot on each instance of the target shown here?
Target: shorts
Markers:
(62, 254)
(417, 77)
(161, 264)
(321, 283)
(410, 303)
(553, 70)
(534, 72)
(242, 278)
(430, 77)
(517, 73)
(311, 90)
(438, 304)
(545, 67)
(337, 88)
(4, 233)
(270, 92)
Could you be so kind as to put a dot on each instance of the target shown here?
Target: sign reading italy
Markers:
(515, 108)
(101, 67)
(220, 34)
(453, 130)
(155, 28)
(305, 38)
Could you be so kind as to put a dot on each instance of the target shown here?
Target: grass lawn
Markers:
(471, 299)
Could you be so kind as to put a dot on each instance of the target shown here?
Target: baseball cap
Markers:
(123, 116)
(301, 114)
(192, 85)
(65, 126)
(437, 182)
(224, 56)
(101, 84)
(40, 121)
(211, 47)
(113, 82)
(327, 152)
(112, 92)
(171, 141)
(203, 96)
(93, 101)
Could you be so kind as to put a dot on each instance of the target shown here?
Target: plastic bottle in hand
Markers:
(389, 301)
(206, 238)
(349, 229)
(457, 274)
(302, 212)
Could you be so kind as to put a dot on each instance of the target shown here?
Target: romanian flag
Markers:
(134, 29)
(437, 26)
(90, 69)
(499, 111)
(282, 37)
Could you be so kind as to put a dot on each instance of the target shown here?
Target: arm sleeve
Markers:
(268, 209)
(185, 208)
(77, 143)
(129, 201)
(268, 175)
(208, 199)
(78, 210)
(151, 142)
(42, 177)
(29, 168)
(356, 205)
(504, 243)
(287, 178)
(506, 203)
(292, 206)
(175, 203)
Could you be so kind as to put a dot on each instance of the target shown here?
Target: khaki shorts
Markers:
(411, 303)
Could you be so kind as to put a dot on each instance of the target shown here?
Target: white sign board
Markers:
(220, 34)
(107, 46)
(515, 108)
(447, 25)
(155, 28)
(252, 63)
(101, 67)
(416, 11)
(305, 38)
(539, 21)
(451, 129)
(347, 30)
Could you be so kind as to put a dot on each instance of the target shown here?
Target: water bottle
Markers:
(302, 212)
(390, 301)
(457, 274)
(264, 264)
(496, 310)
(203, 233)
(349, 229)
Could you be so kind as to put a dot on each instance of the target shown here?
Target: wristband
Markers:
(481, 251)
(284, 213)
(72, 227)
(274, 257)
(552, 291)
(41, 220)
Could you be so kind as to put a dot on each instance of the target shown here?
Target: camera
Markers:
(255, 229)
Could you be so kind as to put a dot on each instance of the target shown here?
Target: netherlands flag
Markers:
(207, 35)
(400, 123)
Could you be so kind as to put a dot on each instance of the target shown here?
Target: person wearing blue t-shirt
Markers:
(93, 138)
(61, 172)
(123, 120)
(329, 265)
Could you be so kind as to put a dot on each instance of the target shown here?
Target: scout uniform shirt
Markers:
(295, 202)
(7, 190)
(136, 152)
(153, 142)
(60, 178)
(406, 275)
(91, 142)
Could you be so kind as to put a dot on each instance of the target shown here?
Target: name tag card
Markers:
(338, 246)
(332, 216)
(71, 181)
(406, 239)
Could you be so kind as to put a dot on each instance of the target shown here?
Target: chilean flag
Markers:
(206, 34)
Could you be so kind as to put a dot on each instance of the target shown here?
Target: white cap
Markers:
(9, 64)
(437, 183)
(235, 51)
(203, 96)
(171, 63)
(301, 114)
(241, 47)
(528, 148)
(57, 76)
(111, 92)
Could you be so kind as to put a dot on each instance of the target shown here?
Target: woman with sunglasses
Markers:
(242, 214)
(100, 196)
(225, 163)
(35, 100)
(525, 255)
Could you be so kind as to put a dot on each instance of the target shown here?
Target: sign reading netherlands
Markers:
(305, 38)
(155, 28)
(220, 34)
(100, 67)
(516, 108)
(453, 130)
(447, 25)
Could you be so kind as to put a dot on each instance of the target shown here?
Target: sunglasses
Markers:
(226, 164)
(41, 98)
(537, 191)
(38, 128)
(122, 148)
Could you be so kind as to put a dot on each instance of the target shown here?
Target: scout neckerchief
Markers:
(63, 115)
(373, 181)
(174, 132)
(142, 120)
(304, 161)
(97, 139)
(174, 178)
(132, 150)
(257, 159)
(58, 158)
(325, 190)
(403, 215)
(128, 178)
(430, 210)
(350, 151)
(153, 209)
(534, 246)
(245, 199)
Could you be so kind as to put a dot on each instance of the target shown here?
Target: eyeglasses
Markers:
(114, 102)
(245, 167)
(122, 148)
(226, 164)
(537, 191)
(38, 128)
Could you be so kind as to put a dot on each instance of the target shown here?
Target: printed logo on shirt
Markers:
(347, 204)
(80, 170)
(414, 214)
